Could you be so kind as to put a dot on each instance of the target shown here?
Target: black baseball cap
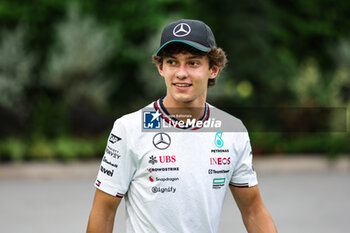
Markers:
(192, 32)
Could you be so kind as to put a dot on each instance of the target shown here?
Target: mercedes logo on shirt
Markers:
(161, 141)
(182, 29)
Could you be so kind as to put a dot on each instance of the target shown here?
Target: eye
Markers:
(194, 63)
(171, 62)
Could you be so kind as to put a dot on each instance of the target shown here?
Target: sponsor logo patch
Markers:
(106, 171)
(161, 141)
(98, 183)
(218, 140)
(113, 138)
(220, 161)
(153, 160)
(108, 162)
(167, 159)
(164, 169)
(112, 152)
(212, 171)
(218, 183)
(170, 189)
(220, 151)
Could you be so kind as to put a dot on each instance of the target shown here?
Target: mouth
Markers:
(182, 84)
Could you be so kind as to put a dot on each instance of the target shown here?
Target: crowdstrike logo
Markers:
(181, 30)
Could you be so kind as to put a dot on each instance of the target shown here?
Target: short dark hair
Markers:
(215, 55)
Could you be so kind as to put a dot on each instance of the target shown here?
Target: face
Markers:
(186, 77)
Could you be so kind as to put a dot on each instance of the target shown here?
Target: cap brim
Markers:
(191, 43)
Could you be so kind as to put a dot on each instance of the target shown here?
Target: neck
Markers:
(185, 110)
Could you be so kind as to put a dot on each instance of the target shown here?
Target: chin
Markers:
(185, 99)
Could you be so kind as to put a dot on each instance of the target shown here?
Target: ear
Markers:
(160, 68)
(214, 71)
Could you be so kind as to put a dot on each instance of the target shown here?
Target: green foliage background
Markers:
(68, 69)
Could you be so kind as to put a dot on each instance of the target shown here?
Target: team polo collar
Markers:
(158, 105)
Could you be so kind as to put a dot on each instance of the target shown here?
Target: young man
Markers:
(172, 161)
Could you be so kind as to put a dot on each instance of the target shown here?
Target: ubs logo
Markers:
(162, 159)
(167, 159)
(161, 141)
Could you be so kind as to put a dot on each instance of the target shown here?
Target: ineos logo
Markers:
(181, 30)
(161, 141)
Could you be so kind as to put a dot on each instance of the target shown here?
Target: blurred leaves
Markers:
(75, 65)
(59, 149)
(15, 68)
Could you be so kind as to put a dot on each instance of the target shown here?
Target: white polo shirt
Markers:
(174, 181)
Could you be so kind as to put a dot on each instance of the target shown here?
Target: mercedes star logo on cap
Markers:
(182, 29)
(161, 141)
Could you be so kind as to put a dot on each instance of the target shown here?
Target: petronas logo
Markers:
(218, 140)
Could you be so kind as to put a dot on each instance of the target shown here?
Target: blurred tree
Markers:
(75, 64)
(15, 69)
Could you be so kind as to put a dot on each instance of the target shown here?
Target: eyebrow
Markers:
(191, 57)
(195, 56)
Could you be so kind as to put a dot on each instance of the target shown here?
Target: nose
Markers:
(182, 72)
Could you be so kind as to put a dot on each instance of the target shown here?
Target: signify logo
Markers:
(163, 190)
